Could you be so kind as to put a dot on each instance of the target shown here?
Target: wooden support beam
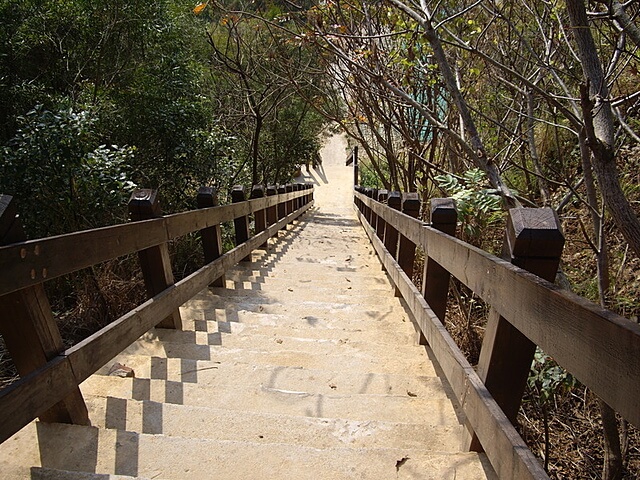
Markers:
(506, 450)
(282, 206)
(28, 328)
(211, 236)
(272, 212)
(290, 203)
(435, 279)
(534, 242)
(155, 262)
(406, 248)
(394, 200)
(260, 216)
(382, 198)
(241, 224)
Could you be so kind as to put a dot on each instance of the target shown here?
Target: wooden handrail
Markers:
(35, 261)
(36, 392)
(600, 348)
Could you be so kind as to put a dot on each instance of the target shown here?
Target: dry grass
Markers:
(86, 301)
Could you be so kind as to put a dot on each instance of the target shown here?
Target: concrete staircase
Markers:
(305, 367)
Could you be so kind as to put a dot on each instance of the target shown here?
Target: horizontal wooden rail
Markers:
(601, 349)
(35, 393)
(507, 452)
(32, 262)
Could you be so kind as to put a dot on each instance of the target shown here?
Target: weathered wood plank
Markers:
(34, 261)
(31, 262)
(533, 241)
(211, 237)
(597, 346)
(33, 395)
(92, 353)
(155, 261)
(30, 331)
(37, 392)
(435, 279)
(410, 227)
(506, 450)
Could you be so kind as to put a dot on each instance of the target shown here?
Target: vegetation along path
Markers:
(304, 366)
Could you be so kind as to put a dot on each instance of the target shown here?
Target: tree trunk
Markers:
(599, 126)
(255, 150)
(533, 150)
(599, 133)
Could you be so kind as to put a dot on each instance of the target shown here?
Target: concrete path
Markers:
(304, 367)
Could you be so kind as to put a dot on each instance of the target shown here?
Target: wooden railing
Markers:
(49, 374)
(598, 347)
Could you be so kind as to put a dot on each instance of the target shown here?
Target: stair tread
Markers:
(266, 427)
(321, 358)
(265, 398)
(316, 328)
(216, 374)
(40, 473)
(77, 448)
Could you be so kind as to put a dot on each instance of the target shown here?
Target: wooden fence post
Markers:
(310, 194)
(241, 224)
(27, 325)
(211, 236)
(290, 205)
(382, 198)
(435, 279)
(260, 216)
(300, 200)
(394, 200)
(272, 212)
(365, 209)
(534, 242)
(282, 206)
(374, 216)
(406, 248)
(155, 262)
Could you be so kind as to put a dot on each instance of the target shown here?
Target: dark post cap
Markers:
(534, 232)
(237, 193)
(282, 189)
(288, 187)
(144, 204)
(382, 195)
(257, 191)
(207, 197)
(411, 204)
(394, 200)
(272, 190)
(443, 211)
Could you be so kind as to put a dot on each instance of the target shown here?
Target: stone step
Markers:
(270, 342)
(296, 293)
(310, 316)
(318, 356)
(110, 451)
(39, 473)
(279, 325)
(246, 426)
(216, 375)
(360, 264)
(304, 276)
(318, 314)
(404, 408)
(362, 306)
